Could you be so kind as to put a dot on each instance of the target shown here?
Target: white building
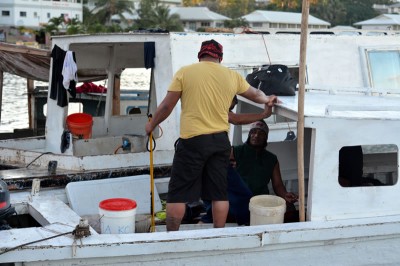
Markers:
(35, 13)
(198, 17)
(381, 22)
(263, 20)
(136, 3)
(387, 9)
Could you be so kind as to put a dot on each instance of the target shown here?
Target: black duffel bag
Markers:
(275, 79)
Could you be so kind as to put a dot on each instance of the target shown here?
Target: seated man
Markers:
(351, 165)
(256, 167)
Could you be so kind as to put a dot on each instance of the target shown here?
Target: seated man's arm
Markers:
(243, 119)
(279, 187)
(259, 97)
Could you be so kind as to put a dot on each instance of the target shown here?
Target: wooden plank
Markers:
(24, 50)
(116, 96)
(30, 87)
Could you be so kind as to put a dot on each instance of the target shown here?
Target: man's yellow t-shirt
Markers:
(207, 92)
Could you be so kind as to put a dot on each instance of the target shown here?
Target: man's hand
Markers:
(267, 111)
(272, 100)
(149, 128)
(291, 197)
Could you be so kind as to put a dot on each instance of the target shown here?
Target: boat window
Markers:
(134, 92)
(386, 77)
(368, 165)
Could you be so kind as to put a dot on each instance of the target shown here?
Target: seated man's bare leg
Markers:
(220, 212)
(175, 213)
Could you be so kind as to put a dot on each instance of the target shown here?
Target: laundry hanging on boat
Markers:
(149, 54)
(57, 90)
(69, 70)
(88, 87)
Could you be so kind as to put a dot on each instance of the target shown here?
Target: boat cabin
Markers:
(349, 101)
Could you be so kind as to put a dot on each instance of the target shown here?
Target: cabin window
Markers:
(5, 13)
(22, 14)
(384, 69)
(257, 24)
(368, 165)
(134, 93)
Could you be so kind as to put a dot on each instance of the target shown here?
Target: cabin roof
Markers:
(281, 17)
(197, 13)
(341, 105)
(384, 19)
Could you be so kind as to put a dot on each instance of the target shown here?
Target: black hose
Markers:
(6, 213)
(148, 142)
(38, 158)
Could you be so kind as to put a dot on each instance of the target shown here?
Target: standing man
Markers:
(201, 159)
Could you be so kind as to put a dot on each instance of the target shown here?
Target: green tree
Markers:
(237, 22)
(54, 25)
(105, 9)
(333, 11)
(161, 18)
(74, 26)
(192, 2)
(96, 28)
(145, 13)
(154, 15)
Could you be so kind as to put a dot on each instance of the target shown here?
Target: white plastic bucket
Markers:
(267, 209)
(117, 216)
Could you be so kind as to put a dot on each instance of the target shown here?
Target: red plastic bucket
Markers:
(80, 125)
(117, 216)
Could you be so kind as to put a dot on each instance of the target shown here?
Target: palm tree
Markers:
(54, 25)
(162, 19)
(105, 9)
(74, 26)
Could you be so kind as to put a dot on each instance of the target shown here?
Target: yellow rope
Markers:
(153, 227)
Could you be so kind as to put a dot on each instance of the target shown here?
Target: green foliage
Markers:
(234, 23)
(105, 9)
(155, 16)
(54, 25)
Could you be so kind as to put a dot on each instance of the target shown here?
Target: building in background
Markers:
(194, 18)
(387, 9)
(36, 13)
(261, 20)
(381, 22)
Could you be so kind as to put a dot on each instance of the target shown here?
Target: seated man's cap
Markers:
(211, 48)
(260, 125)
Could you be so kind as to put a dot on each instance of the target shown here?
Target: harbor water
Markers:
(14, 108)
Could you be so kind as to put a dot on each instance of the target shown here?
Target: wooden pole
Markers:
(300, 122)
(116, 106)
(30, 88)
(1, 91)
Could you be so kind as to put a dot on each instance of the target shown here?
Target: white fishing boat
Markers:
(351, 98)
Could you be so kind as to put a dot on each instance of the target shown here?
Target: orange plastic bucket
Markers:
(80, 125)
